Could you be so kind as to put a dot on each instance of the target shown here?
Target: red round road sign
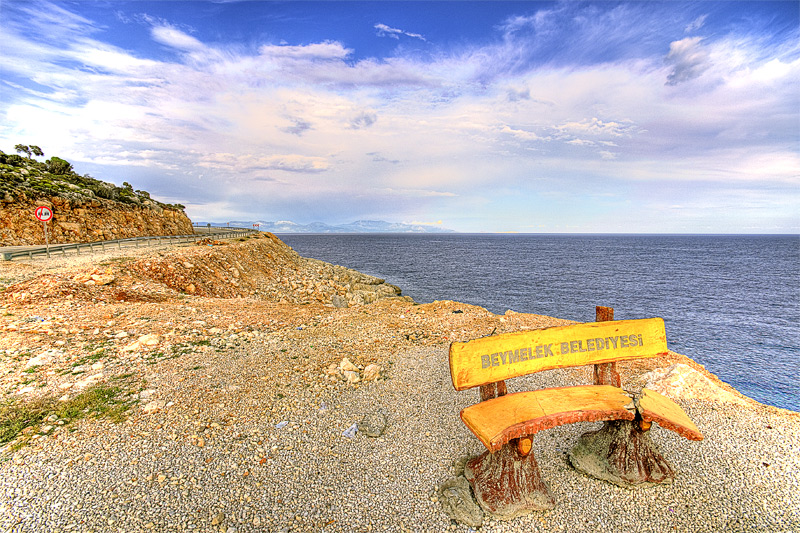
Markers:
(44, 213)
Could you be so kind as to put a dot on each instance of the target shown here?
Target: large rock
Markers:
(682, 382)
(456, 498)
(85, 220)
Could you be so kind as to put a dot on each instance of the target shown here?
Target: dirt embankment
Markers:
(260, 267)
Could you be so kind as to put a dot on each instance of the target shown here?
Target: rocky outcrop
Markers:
(264, 267)
(682, 382)
(84, 209)
(82, 219)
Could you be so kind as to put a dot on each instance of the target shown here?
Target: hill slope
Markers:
(84, 209)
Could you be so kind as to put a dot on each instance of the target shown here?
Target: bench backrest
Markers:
(500, 357)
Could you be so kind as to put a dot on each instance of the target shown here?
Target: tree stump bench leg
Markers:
(621, 452)
(507, 483)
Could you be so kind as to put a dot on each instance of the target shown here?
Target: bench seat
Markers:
(499, 420)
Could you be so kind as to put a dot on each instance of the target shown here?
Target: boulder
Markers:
(682, 382)
(456, 498)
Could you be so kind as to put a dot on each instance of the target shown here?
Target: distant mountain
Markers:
(359, 226)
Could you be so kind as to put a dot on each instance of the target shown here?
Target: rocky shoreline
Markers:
(253, 379)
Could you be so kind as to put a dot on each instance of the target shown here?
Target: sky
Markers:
(533, 117)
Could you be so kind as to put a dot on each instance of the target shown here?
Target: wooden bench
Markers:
(506, 478)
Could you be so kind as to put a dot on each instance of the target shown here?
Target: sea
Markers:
(730, 302)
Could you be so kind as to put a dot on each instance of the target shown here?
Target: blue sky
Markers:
(477, 116)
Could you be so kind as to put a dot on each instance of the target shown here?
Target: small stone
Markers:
(101, 279)
(351, 431)
(373, 424)
(98, 366)
(161, 478)
(91, 380)
(217, 519)
(347, 365)
(149, 340)
(351, 377)
(372, 372)
(154, 406)
(41, 359)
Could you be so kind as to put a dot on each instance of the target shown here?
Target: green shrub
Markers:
(56, 165)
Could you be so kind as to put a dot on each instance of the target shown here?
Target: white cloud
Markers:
(696, 24)
(249, 162)
(303, 126)
(325, 51)
(597, 127)
(394, 33)
(175, 38)
(688, 58)
(416, 193)
(521, 134)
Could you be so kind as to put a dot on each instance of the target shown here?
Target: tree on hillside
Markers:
(23, 149)
(36, 150)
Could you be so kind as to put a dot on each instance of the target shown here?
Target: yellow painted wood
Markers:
(498, 420)
(509, 355)
(656, 407)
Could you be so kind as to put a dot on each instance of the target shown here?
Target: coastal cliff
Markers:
(84, 209)
(239, 367)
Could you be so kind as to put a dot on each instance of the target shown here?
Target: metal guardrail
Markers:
(136, 241)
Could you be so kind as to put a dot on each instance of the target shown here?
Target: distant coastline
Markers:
(359, 226)
(381, 226)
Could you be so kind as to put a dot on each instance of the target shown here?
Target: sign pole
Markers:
(46, 240)
(45, 214)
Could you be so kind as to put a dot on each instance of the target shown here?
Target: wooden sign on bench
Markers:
(506, 479)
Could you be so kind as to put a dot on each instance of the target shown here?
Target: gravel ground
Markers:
(248, 433)
(151, 474)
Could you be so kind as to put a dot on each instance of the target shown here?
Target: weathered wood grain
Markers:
(500, 357)
(508, 484)
(655, 407)
(497, 421)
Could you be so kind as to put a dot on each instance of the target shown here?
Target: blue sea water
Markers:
(732, 303)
